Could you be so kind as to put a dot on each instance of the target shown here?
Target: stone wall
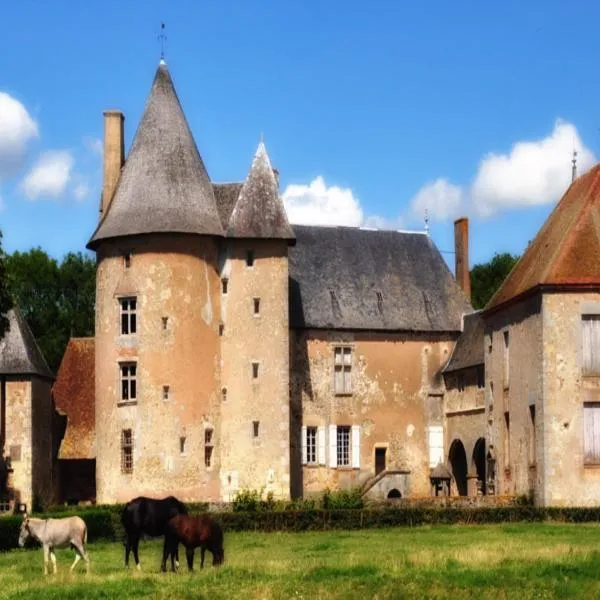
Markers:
(255, 459)
(176, 283)
(567, 480)
(397, 392)
(518, 446)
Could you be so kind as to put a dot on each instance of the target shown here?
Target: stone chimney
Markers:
(461, 255)
(114, 155)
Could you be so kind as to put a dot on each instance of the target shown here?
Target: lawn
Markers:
(494, 561)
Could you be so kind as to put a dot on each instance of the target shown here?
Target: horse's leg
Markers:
(53, 557)
(166, 546)
(202, 551)
(79, 554)
(46, 559)
(127, 550)
(77, 559)
(189, 554)
(136, 543)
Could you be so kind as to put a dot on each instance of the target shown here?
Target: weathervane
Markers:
(574, 169)
(162, 38)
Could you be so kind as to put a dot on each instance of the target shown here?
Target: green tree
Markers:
(487, 277)
(57, 300)
(5, 298)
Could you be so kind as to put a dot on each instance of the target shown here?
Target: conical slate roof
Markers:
(259, 211)
(565, 251)
(164, 186)
(19, 352)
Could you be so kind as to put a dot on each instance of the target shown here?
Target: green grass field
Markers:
(496, 561)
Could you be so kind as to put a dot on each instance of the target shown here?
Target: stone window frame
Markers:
(589, 316)
(312, 445)
(343, 445)
(209, 444)
(345, 368)
(128, 315)
(130, 379)
(127, 449)
(591, 414)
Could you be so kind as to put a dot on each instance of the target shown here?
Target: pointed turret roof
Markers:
(19, 352)
(565, 251)
(259, 211)
(164, 186)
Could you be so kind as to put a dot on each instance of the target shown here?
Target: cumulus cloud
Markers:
(319, 204)
(440, 199)
(17, 128)
(49, 176)
(81, 191)
(93, 145)
(532, 173)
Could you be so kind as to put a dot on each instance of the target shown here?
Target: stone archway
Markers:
(479, 463)
(394, 493)
(458, 460)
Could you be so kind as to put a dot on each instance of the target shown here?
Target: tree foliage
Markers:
(56, 299)
(5, 298)
(487, 277)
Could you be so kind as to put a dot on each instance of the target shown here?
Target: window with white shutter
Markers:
(333, 446)
(311, 445)
(321, 444)
(343, 446)
(436, 445)
(304, 449)
(590, 344)
(591, 433)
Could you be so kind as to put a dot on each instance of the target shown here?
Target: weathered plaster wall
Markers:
(397, 386)
(566, 479)
(175, 278)
(18, 437)
(517, 466)
(261, 462)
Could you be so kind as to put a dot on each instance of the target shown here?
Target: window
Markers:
(480, 377)
(254, 370)
(127, 260)
(591, 433)
(128, 381)
(224, 285)
(182, 445)
(208, 446)
(221, 329)
(506, 371)
(506, 440)
(255, 426)
(166, 392)
(343, 446)
(126, 451)
(591, 344)
(342, 370)
(532, 456)
(250, 258)
(256, 306)
(436, 445)
(311, 445)
(128, 316)
(165, 322)
(460, 382)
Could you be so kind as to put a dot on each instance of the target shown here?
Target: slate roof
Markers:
(259, 211)
(164, 186)
(226, 195)
(469, 351)
(19, 352)
(337, 272)
(74, 396)
(565, 251)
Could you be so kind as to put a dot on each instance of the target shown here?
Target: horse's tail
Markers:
(84, 536)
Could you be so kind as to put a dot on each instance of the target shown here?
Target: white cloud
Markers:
(440, 199)
(532, 173)
(17, 128)
(318, 204)
(93, 145)
(81, 191)
(49, 176)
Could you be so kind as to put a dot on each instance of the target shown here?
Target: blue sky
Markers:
(373, 112)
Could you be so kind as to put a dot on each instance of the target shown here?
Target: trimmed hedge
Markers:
(104, 523)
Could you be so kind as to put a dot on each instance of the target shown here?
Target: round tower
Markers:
(157, 311)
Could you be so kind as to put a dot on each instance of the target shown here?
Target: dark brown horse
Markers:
(193, 531)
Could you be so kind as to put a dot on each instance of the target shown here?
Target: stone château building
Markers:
(236, 351)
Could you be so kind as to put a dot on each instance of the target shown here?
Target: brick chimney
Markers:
(461, 255)
(114, 155)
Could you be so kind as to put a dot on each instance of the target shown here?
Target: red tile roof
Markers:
(74, 395)
(566, 249)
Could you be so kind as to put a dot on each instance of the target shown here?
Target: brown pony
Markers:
(193, 531)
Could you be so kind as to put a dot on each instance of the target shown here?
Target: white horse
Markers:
(57, 533)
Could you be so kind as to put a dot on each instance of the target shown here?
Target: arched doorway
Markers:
(458, 460)
(479, 462)
(394, 493)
